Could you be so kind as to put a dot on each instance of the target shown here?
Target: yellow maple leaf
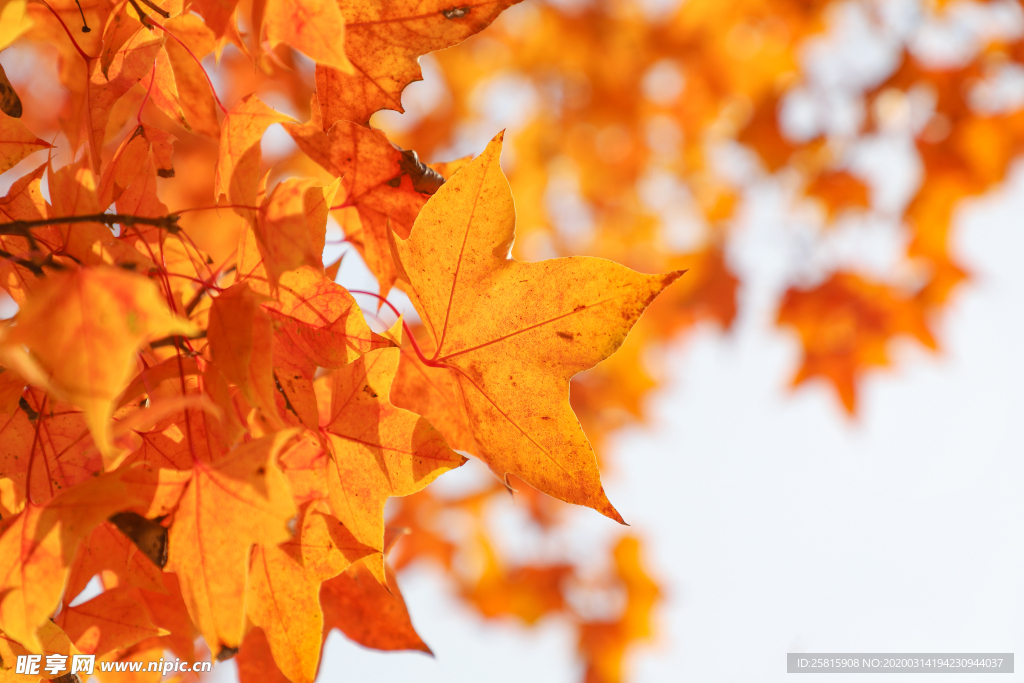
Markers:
(512, 334)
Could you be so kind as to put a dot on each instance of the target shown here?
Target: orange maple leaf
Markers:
(229, 506)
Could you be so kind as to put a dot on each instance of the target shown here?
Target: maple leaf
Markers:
(256, 662)
(383, 43)
(16, 142)
(240, 333)
(273, 341)
(284, 587)
(109, 550)
(383, 183)
(512, 334)
(194, 40)
(377, 449)
(314, 27)
(37, 547)
(13, 22)
(217, 14)
(168, 611)
(292, 224)
(229, 506)
(52, 640)
(24, 201)
(604, 643)
(128, 65)
(238, 161)
(529, 593)
(75, 194)
(845, 325)
(114, 619)
(82, 330)
(375, 616)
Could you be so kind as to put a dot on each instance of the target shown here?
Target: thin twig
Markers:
(36, 268)
(143, 17)
(156, 8)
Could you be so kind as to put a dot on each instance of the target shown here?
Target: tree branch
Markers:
(36, 268)
(168, 222)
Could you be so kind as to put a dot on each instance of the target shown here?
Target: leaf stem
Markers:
(405, 326)
(85, 24)
(193, 55)
(152, 80)
(74, 42)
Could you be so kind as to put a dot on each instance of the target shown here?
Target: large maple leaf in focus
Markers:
(513, 334)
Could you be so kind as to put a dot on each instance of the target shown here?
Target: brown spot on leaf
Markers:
(455, 12)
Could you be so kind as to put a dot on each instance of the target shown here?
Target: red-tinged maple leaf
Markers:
(256, 662)
(383, 184)
(192, 41)
(130, 63)
(109, 550)
(368, 613)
